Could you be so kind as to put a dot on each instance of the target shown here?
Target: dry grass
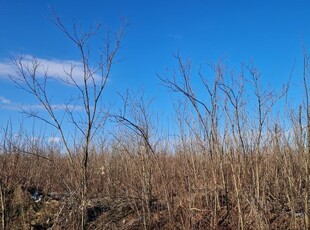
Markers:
(232, 167)
(188, 191)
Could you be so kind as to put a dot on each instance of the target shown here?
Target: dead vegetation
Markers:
(223, 171)
(231, 163)
(192, 191)
(228, 168)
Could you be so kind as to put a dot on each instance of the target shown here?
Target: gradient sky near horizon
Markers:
(272, 34)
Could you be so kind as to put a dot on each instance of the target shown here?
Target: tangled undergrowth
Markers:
(185, 190)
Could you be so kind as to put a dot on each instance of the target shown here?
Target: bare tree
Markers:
(265, 101)
(206, 110)
(83, 109)
(234, 91)
(306, 74)
(135, 116)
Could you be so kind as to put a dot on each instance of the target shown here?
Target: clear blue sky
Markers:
(271, 33)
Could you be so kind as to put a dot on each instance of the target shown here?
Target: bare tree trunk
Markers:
(84, 189)
(3, 207)
(306, 195)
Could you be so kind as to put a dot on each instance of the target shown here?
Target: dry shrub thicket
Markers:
(232, 165)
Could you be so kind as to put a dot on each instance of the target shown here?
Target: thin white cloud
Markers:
(4, 100)
(53, 140)
(59, 69)
(7, 104)
(36, 107)
(175, 36)
(6, 69)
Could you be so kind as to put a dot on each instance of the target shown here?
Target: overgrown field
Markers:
(187, 189)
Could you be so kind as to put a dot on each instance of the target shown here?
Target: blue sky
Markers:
(269, 33)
